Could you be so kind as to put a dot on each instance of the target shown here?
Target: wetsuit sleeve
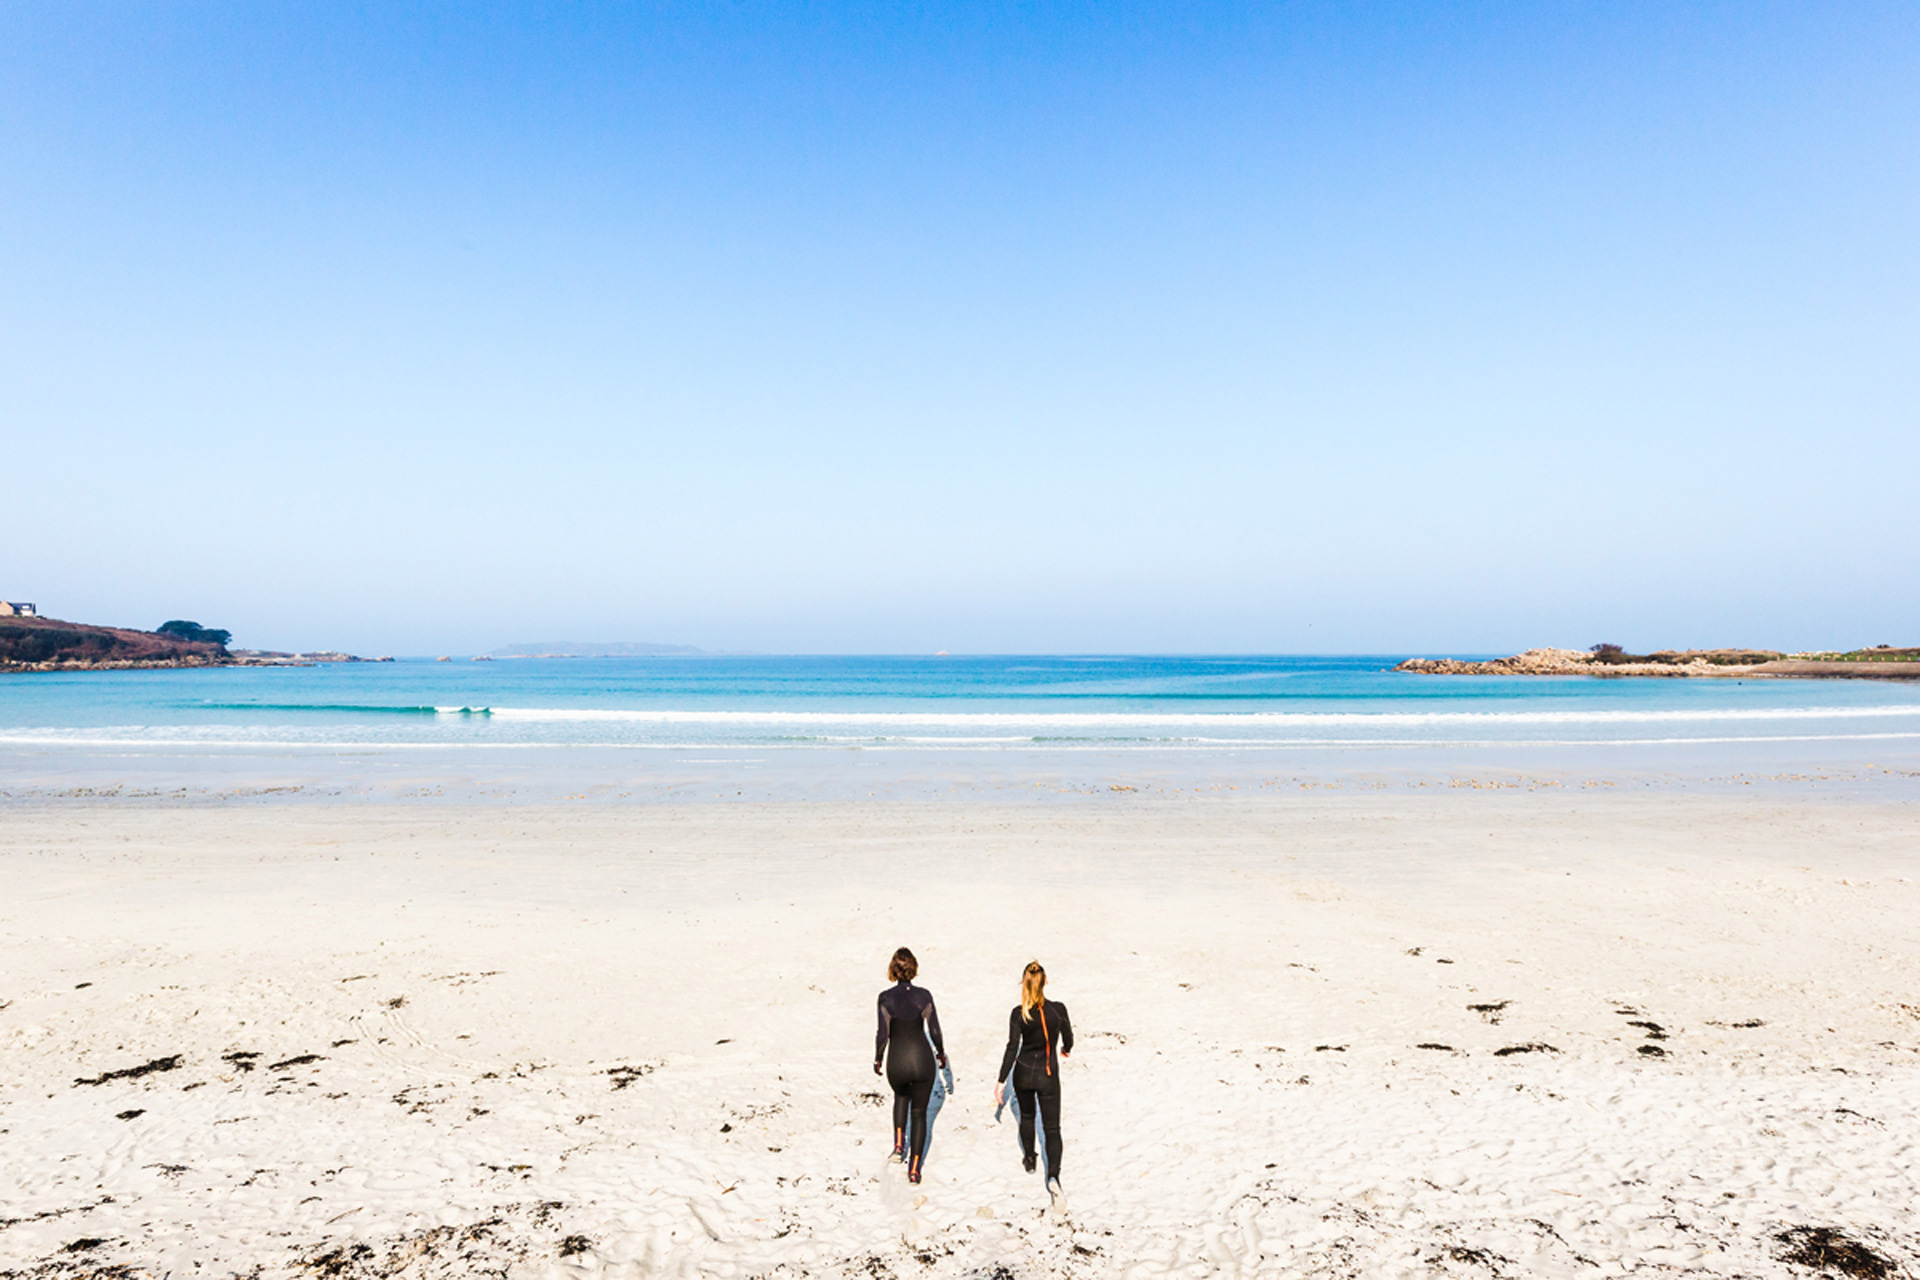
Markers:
(933, 1028)
(880, 1036)
(1066, 1030)
(1013, 1045)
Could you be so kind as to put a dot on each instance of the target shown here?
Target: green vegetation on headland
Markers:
(1879, 653)
(194, 631)
(1612, 660)
(1612, 655)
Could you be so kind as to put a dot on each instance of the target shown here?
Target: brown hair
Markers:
(903, 966)
(1033, 989)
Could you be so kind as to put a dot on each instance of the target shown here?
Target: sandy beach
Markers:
(545, 543)
(1501, 1032)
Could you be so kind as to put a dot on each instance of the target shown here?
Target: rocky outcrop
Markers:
(1745, 664)
(1574, 662)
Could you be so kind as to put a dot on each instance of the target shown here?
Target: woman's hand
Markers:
(876, 1068)
(996, 1092)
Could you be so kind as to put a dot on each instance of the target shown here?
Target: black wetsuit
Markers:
(1033, 1049)
(907, 1019)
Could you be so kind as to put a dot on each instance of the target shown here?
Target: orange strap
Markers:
(1046, 1039)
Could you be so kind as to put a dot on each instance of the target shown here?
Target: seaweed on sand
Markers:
(1826, 1250)
(624, 1076)
(167, 1063)
(468, 1250)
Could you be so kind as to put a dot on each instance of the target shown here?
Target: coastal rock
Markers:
(1745, 664)
(1573, 662)
(1534, 662)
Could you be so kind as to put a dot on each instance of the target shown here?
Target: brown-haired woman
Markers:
(907, 1024)
(1037, 1026)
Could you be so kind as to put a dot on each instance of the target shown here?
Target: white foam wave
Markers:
(1192, 719)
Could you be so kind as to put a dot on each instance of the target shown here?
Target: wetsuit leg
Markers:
(910, 1068)
(915, 1100)
(1049, 1100)
(1045, 1100)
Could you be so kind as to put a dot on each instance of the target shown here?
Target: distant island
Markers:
(1612, 661)
(578, 649)
(29, 642)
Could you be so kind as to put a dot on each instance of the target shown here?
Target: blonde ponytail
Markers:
(1033, 990)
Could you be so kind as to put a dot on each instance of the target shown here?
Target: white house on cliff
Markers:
(17, 609)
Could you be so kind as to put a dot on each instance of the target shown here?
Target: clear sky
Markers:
(891, 328)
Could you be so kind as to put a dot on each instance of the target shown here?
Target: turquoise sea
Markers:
(643, 719)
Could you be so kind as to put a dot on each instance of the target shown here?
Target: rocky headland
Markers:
(50, 644)
(1608, 661)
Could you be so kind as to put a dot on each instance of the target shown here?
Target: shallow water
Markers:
(799, 726)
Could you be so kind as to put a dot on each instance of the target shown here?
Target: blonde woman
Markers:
(1039, 1038)
(908, 1041)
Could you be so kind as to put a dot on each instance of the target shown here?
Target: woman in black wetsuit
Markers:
(907, 1021)
(1039, 1036)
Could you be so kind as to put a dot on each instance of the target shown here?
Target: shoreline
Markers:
(122, 664)
(189, 662)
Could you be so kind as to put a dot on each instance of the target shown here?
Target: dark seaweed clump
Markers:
(341, 1260)
(624, 1076)
(1529, 1047)
(167, 1063)
(1824, 1249)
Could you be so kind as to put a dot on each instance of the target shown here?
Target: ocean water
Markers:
(652, 720)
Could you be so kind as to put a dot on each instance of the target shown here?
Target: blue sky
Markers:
(989, 328)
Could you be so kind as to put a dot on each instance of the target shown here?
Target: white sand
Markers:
(468, 976)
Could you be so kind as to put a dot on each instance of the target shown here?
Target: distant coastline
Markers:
(1609, 662)
(593, 649)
